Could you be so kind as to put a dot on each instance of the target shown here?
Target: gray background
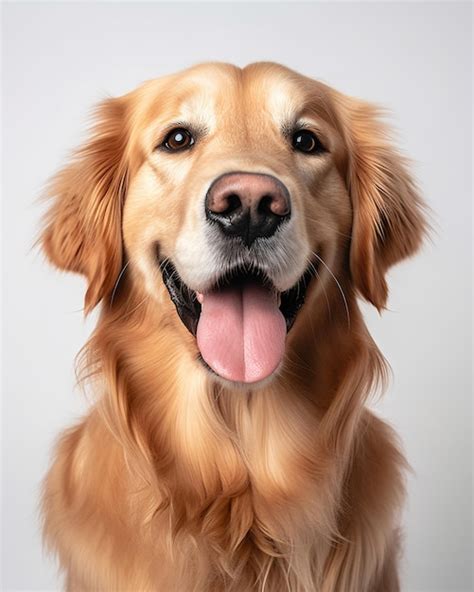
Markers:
(415, 59)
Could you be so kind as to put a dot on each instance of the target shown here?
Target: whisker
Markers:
(318, 275)
(330, 226)
(118, 282)
(340, 289)
(129, 312)
(164, 263)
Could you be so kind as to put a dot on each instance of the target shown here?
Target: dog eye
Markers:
(307, 142)
(178, 139)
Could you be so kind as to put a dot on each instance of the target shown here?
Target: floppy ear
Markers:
(389, 221)
(83, 227)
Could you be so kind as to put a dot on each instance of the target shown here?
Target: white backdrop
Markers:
(60, 58)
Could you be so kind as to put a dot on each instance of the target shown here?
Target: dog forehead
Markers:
(277, 97)
(211, 94)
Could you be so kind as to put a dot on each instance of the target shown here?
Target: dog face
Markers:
(236, 195)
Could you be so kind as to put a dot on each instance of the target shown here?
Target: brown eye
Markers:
(307, 142)
(178, 139)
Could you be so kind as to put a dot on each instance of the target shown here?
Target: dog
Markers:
(227, 220)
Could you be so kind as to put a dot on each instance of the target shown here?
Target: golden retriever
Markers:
(227, 220)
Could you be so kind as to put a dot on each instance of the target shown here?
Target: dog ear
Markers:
(83, 227)
(389, 217)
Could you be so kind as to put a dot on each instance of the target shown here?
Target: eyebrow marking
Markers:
(289, 127)
(198, 128)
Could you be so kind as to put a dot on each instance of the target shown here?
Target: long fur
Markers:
(175, 483)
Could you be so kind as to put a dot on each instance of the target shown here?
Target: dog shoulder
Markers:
(367, 556)
(84, 505)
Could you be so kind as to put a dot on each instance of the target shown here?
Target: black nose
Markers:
(248, 205)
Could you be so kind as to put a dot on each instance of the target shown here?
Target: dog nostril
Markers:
(233, 204)
(273, 205)
(265, 205)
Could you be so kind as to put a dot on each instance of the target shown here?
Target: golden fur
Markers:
(175, 482)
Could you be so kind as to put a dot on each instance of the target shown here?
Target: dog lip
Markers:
(185, 300)
(188, 302)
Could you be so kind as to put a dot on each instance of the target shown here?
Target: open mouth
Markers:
(241, 323)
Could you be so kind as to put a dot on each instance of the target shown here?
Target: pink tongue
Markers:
(241, 333)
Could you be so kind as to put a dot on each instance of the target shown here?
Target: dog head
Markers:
(238, 195)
